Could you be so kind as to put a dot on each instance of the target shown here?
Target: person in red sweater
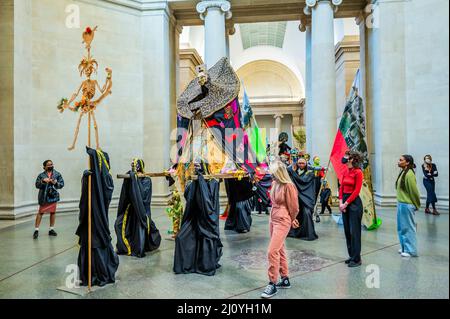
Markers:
(351, 205)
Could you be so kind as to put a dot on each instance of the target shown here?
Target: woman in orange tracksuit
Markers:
(282, 217)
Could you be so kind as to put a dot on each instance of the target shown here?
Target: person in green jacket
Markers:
(408, 202)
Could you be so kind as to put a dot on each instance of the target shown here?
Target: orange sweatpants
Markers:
(280, 224)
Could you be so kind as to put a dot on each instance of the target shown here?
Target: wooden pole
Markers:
(89, 210)
(194, 177)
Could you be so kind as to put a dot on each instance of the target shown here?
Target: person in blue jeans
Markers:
(408, 202)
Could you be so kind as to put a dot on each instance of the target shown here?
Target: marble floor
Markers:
(37, 268)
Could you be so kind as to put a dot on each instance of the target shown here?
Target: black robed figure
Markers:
(136, 232)
(104, 260)
(197, 246)
(240, 205)
(303, 179)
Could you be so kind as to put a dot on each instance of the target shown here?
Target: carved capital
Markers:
(310, 4)
(361, 18)
(231, 30)
(304, 23)
(225, 6)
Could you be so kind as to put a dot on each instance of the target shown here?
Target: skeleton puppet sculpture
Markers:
(87, 104)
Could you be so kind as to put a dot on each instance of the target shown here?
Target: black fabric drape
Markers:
(104, 260)
(136, 232)
(197, 246)
(240, 195)
(304, 181)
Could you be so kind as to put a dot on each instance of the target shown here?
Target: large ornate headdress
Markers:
(88, 63)
(210, 91)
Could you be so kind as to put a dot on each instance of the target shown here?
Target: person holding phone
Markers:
(430, 173)
(48, 182)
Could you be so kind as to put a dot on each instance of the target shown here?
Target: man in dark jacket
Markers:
(48, 182)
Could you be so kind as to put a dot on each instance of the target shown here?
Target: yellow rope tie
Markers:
(124, 225)
(102, 158)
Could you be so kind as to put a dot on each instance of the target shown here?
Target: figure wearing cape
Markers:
(136, 232)
(304, 181)
(104, 260)
(197, 246)
(240, 197)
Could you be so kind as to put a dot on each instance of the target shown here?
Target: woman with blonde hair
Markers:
(282, 217)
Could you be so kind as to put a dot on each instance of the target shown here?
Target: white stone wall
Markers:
(46, 58)
(427, 87)
(407, 92)
(7, 104)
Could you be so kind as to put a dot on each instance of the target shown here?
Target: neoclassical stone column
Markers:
(361, 22)
(323, 77)
(305, 26)
(160, 73)
(386, 96)
(17, 194)
(278, 118)
(214, 14)
(322, 116)
(7, 106)
(230, 30)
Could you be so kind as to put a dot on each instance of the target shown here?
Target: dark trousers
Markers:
(433, 204)
(352, 227)
(327, 206)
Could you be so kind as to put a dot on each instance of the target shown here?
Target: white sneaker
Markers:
(400, 251)
(405, 255)
(270, 291)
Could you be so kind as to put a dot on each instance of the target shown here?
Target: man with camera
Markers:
(48, 182)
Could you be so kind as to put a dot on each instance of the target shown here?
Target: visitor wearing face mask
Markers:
(350, 205)
(48, 182)
(430, 172)
(408, 201)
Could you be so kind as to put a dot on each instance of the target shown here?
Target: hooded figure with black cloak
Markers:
(104, 259)
(197, 246)
(303, 179)
(136, 232)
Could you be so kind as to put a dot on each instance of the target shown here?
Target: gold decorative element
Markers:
(175, 212)
(87, 104)
(124, 227)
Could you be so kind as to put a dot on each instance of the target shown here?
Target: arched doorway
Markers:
(276, 95)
